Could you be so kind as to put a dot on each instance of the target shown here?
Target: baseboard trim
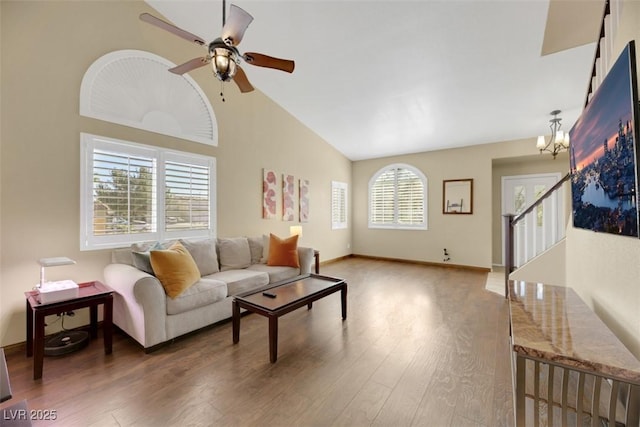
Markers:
(332, 260)
(419, 262)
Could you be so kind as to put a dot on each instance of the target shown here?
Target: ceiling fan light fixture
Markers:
(224, 63)
(222, 52)
(224, 60)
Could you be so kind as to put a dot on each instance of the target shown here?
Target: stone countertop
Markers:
(552, 323)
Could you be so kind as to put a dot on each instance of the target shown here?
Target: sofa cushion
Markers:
(202, 293)
(276, 273)
(241, 281)
(141, 253)
(265, 249)
(256, 249)
(175, 268)
(283, 252)
(204, 254)
(234, 253)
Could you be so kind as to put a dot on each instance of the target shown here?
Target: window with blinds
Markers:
(133, 192)
(338, 205)
(186, 196)
(122, 193)
(398, 198)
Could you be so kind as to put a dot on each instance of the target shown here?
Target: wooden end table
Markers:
(288, 297)
(90, 294)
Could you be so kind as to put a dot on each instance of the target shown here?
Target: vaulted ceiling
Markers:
(379, 78)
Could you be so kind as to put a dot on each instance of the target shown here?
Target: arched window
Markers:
(134, 88)
(398, 198)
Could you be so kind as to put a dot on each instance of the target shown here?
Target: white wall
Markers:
(604, 269)
(467, 238)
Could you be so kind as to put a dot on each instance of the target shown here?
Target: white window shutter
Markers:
(397, 198)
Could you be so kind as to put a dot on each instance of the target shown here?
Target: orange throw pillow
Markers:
(283, 252)
(175, 268)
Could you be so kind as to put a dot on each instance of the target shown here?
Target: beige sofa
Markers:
(229, 267)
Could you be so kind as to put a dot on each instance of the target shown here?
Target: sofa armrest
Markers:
(151, 295)
(139, 304)
(306, 259)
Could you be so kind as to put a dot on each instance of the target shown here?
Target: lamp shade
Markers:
(56, 261)
(295, 230)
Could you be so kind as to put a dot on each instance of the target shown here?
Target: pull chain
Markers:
(222, 91)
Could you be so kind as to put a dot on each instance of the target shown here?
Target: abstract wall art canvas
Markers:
(303, 191)
(269, 191)
(288, 201)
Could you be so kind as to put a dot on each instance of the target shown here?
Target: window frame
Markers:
(395, 225)
(90, 142)
(339, 225)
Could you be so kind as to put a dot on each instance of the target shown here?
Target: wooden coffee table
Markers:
(288, 297)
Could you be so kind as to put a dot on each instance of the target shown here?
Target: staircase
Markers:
(536, 232)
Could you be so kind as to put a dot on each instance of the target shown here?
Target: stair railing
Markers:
(522, 228)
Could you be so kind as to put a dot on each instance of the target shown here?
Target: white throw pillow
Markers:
(234, 253)
(265, 248)
(255, 246)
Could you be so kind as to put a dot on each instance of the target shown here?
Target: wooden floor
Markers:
(422, 346)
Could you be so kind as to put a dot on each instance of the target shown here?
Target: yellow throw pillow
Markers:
(283, 252)
(175, 268)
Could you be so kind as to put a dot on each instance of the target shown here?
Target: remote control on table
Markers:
(269, 294)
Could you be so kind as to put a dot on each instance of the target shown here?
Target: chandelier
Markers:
(559, 140)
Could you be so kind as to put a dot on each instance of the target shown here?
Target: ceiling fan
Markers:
(222, 52)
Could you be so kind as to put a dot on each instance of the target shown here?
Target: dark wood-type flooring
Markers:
(422, 346)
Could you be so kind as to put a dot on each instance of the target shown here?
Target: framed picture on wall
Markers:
(457, 196)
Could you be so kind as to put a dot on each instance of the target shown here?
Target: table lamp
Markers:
(52, 262)
(65, 341)
(295, 230)
(58, 290)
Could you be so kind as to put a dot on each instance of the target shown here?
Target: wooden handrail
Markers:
(541, 198)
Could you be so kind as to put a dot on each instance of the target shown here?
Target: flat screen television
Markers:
(604, 154)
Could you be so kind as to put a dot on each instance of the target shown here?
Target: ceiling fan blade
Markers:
(171, 28)
(269, 61)
(242, 81)
(190, 65)
(236, 24)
